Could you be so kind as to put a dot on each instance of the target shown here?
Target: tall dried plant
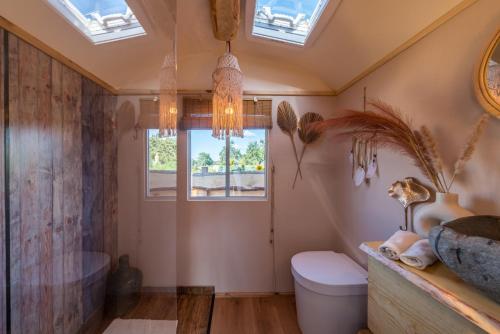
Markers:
(469, 147)
(287, 122)
(308, 134)
(395, 132)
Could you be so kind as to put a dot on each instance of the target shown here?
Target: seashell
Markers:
(359, 176)
(371, 170)
(409, 191)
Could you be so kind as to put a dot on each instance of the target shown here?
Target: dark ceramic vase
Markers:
(124, 287)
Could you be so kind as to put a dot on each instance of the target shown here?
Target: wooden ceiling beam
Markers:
(225, 16)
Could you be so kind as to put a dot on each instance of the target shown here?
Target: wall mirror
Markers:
(487, 78)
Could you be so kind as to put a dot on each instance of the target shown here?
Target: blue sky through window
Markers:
(100, 21)
(103, 7)
(287, 20)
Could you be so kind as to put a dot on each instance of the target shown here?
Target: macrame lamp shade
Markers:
(168, 97)
(227, 101)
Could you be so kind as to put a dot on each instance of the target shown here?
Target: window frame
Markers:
(227, 197)
(147, 196)
(75, 18)
(320, 24)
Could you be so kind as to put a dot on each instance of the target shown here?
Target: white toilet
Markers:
(330, 293)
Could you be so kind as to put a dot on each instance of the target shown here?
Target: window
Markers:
(161, 176)
(100, 21)
(227, 168)
(290, 21)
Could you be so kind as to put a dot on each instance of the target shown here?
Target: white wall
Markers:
(226, 244)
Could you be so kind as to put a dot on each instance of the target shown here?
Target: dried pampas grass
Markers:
(469, 147)
(287, 122)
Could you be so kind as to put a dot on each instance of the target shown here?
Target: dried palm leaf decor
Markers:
(308, 134)
(287, 122)
(394, 131)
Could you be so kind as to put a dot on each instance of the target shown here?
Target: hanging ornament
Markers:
(227, 101)
(168, 94)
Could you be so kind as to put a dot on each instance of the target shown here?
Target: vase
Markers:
(445, 208)
(124, 288)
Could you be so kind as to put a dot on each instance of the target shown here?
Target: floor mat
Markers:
(141, 326)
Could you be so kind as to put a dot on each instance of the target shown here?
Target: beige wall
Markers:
(431, 82)
(226, 243)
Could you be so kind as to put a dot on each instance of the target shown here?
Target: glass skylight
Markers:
(100, 20)
(288, 21)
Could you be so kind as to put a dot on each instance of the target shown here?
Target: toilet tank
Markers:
(330, 293)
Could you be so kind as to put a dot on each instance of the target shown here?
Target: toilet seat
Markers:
(329, 273)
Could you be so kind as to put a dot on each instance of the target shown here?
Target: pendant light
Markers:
(227, 101)
(168, 94)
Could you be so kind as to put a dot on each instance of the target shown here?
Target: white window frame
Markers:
(227, 197)
(318, 27)
(147, 195)
(73, 16)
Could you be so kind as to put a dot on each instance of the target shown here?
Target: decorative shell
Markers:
(408, 192)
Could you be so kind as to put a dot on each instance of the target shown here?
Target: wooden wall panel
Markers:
(110, 165)
(57, 196)
(3, 320)
(29, 188)
(14, 185)
(62, 173)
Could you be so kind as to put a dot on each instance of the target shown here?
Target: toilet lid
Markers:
(329, 273)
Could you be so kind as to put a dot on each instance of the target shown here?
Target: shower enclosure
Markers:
(58, 179)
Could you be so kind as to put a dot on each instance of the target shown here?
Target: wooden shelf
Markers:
(447, 288)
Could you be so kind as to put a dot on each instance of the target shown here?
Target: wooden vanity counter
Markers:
(402, 299)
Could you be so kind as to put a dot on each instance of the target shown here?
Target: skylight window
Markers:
(290, 21)
(101, 21)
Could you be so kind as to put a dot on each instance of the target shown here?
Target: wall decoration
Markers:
(408, 192)
(487, 77)
(393, 130)
(308, 134)
(364, 160)
(287, 122)
(364, 157)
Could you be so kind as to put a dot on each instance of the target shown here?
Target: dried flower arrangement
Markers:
(394, 131)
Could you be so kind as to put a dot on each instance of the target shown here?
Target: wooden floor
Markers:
(255, 315)
(192, 311)
(231, 315)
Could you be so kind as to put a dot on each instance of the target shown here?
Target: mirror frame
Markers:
(483, 95)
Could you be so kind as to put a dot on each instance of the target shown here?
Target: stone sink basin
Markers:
(470, 247)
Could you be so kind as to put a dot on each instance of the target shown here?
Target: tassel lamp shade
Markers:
(227, 101)
(168, 97)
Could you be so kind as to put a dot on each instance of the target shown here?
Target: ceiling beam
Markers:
(225, 15)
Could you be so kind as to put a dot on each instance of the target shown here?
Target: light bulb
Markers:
(173, 110)
(229, 109)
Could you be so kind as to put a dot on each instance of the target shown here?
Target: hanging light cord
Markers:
(272, 239)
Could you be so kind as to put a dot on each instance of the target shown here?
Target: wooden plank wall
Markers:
(62, 189)
(3, 320)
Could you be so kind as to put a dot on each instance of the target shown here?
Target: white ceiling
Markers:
(359, 34)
